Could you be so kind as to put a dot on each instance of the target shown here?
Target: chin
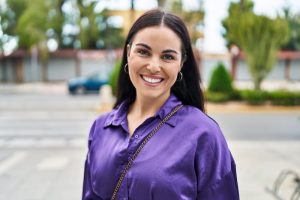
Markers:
(154, 94)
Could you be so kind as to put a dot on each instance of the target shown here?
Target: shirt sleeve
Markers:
(225, 189)
(215, 168)
(87, 192)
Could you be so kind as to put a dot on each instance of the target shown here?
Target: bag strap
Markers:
(124, 172)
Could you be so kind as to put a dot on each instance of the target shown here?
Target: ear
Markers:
(128, 50)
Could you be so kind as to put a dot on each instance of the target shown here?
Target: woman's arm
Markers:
(224, 189)
(215, 167)
(87, 192)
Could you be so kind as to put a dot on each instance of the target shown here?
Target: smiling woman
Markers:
(158, 143)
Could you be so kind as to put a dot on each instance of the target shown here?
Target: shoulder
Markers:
(100, 122)
(207, 131)
(196, 120)
(102, 119)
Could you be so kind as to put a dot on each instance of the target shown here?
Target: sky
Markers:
(215, 11)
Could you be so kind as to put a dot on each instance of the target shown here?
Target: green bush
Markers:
(254, 97)
(113, 79)
(220, 80)
(217, 97)
(278, 97)
(282, 97)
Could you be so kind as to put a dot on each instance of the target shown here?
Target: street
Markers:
(43, 145)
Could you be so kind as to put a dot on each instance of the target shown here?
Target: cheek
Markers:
(174, 70)
(133, 68)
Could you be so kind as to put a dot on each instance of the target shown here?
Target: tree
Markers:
(293, 21)
(233, 9)
(31, 30)
(56, 21)
(88, 25)
(192, 18)
(9, 16)
(96, 32)
(258, 36)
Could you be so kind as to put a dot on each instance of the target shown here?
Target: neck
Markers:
(147, 107)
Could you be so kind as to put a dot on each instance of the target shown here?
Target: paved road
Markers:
(61, 115)
(43, 145)
(260, 126)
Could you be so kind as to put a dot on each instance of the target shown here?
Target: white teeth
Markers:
(152, 80)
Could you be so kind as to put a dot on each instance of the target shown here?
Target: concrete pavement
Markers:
(43, 160)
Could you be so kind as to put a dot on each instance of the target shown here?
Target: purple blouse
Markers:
(187, 158)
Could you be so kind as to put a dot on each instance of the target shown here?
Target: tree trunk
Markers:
(44, 66)
(257, 84)
(242, 5)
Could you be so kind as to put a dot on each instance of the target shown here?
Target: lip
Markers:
(151, 77)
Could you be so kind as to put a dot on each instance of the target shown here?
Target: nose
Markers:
(154, 65)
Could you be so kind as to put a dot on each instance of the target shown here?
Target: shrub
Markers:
(255, 97)
(220, 80)
(113, 79)
(217, 97)
(282, 97)
(278, 97)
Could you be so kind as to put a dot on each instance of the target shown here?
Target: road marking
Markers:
(78, 142)
(52, 163)
(11, 161)
(45, 142)
(52, 142)
(21, 142)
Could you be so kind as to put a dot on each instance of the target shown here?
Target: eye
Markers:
(143, 52)
(168, 57)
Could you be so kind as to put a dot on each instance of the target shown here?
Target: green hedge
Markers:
(284, 97)
(254, 97)
(278, 97)
(217, 97)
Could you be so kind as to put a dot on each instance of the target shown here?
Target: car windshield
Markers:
(98, 76)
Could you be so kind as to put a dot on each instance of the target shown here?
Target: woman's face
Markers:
(154, 61)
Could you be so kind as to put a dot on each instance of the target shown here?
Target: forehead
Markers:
(158, 37)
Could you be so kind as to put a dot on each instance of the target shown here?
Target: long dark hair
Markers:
(187, 90)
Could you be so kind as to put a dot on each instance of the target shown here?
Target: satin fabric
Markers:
(187, 159)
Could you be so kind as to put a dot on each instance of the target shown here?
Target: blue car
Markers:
(87, 84)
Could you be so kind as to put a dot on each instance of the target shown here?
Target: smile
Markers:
(151, 79)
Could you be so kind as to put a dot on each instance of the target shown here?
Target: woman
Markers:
(187, 156)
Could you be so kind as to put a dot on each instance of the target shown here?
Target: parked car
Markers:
(87, 84)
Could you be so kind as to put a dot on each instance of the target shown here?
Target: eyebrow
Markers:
(149, 48)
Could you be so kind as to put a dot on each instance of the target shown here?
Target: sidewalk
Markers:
(259, 164)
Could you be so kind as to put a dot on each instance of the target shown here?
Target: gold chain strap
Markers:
(140, 148)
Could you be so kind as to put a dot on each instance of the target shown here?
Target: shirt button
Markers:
(136, 136)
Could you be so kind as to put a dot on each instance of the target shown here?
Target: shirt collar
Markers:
(119, 114)
(167, 107)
